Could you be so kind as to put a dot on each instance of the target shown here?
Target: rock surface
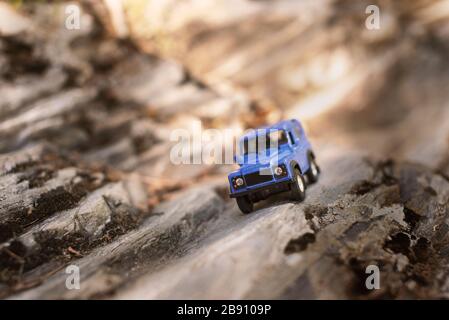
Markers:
(86, 178)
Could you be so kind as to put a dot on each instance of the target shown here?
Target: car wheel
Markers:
(298, 187)
(245, 204)
(314, 171)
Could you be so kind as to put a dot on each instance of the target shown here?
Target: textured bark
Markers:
(86, 178)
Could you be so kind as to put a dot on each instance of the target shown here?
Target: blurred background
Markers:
(229, 64)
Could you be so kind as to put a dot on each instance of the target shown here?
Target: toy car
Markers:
(273, 159)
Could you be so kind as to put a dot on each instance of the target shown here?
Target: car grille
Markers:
(255, 178)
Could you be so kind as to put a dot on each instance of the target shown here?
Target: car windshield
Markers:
(261, 143)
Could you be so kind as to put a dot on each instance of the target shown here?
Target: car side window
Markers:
(297, 132)
(292, 139)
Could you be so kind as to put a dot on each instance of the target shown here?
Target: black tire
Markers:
(313, 172)
(245, 204)
(298, 187)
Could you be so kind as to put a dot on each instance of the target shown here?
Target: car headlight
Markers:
(280, 171)
(238, 182)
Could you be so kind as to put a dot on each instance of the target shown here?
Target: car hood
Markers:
(267, 159)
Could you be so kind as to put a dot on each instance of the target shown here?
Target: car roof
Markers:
(281, 125)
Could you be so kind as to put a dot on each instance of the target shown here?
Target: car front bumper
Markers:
(267, 188)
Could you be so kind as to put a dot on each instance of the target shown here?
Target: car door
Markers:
(302, 147)
(296, 145)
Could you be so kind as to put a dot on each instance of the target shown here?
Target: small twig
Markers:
(75, 252)
(13, 255)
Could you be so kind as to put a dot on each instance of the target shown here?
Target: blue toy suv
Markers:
(273, 159)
